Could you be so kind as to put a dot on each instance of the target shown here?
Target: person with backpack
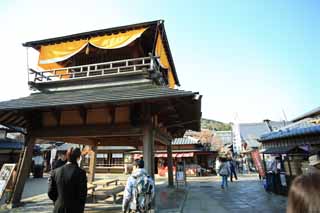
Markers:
(224, 172)
(139, 191)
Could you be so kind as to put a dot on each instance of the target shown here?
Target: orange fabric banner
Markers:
(115, 41)
(51, 54)
(160, 52)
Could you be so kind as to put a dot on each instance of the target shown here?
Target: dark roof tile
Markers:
(107, 95)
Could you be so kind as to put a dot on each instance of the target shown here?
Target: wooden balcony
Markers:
(90, 71)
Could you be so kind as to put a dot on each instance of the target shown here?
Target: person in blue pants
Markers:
(224, 172)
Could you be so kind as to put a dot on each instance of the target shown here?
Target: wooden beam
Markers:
(23, 172)
(162, 137)
(181, 123)
(119, 142)
(75, 140)
(5, 116)
(87, 131)
(17, 121)
(8, 119)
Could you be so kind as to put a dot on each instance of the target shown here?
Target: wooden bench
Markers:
(106, 182)
(107, 191)
(91, 187)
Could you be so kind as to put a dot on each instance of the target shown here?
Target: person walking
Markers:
(232, 165)
(68, 185)
(217, 165)
(224, 172)
(139, 190)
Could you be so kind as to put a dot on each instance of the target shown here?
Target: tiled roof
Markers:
(224, 136)
(301, 128)
(185, 141)
(251, 132)
(281, 150)
(10, 144)
(94, 95)
(311, 113)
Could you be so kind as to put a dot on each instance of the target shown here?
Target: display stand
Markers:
(5, 176)
(181, 174)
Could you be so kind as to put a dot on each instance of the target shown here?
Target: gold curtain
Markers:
(51, 54)
(118, 40)
(160, 52)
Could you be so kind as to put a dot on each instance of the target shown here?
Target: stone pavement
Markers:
(202, 195)
(245, 195)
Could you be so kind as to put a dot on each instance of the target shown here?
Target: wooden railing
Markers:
(112, 68)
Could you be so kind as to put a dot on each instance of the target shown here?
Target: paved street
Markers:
(245, 195)
(202, 195)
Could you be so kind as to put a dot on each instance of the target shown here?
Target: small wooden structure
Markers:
(110, 87)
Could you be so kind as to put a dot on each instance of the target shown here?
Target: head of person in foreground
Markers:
(304, 194)
(73, 155)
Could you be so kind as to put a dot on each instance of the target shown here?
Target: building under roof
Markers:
(246, 135)
(185, 141)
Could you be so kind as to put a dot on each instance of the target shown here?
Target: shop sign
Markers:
(257, 162)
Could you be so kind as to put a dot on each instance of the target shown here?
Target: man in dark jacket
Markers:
(68, 185)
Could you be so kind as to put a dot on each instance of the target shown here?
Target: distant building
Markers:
(303, 131)
(224, 136)
(222, 141)
(245, 135)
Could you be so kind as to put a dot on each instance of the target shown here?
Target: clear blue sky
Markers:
(252, 59)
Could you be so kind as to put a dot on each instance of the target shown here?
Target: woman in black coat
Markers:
(68, 185)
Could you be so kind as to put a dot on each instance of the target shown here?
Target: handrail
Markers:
(93, 70)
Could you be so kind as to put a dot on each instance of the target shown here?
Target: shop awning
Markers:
(283, 150)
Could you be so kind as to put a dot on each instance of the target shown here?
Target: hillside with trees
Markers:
(214, 125)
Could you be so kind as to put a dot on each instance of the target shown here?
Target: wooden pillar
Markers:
(148, 149)
(148, 141)
(170, 165)
(23, 171)
(92, 163)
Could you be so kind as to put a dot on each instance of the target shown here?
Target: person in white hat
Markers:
(314, 163)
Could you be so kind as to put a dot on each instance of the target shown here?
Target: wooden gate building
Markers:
(110, 87)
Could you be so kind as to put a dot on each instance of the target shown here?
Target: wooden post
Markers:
(170, 165)
(148, 146)
(289, 165)
(92, 163)
(23, 171)
(148, 142)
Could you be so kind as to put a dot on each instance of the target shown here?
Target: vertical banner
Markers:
(257, 162)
